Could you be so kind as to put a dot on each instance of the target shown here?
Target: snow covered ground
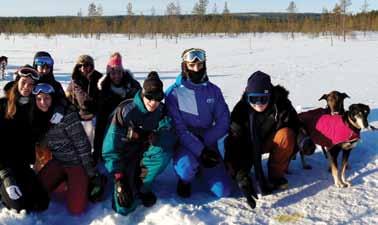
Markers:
(307, 67)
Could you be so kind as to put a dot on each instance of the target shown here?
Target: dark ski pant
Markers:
(34, 196)
(76, 179)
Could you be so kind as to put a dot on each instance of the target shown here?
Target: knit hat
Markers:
(43, 56)
(85, 59)
(153, 84)
(115, 63)
(259, 82)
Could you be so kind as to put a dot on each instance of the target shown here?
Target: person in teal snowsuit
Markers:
(138, 146)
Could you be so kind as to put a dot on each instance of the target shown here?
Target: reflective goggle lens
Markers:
(28, 72)
(44, 61)
(44, 88)
(159, 96)
(193, 55)
(258, 99)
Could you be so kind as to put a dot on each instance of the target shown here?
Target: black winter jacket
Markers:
(250, 130)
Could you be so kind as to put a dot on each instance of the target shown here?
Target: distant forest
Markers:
(173, 26)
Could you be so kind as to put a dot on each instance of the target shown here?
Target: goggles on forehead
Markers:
(28, 72)
(43, 88)
(258, 98)
(193, 55)
(157, 96)
(44, 61)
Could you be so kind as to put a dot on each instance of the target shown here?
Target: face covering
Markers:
(197, 77)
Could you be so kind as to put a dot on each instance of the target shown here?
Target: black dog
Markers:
(3, 65)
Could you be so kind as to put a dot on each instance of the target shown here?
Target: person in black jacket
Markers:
(117, 85)
(263, 121)
(19, 186)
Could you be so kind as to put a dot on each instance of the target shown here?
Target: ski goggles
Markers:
(193, 55)
(258, 98)
(28, 72)
(84, 65)
(43, 88)
(157, 96)
(44, 61)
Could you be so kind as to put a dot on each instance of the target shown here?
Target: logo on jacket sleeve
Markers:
(210, 100)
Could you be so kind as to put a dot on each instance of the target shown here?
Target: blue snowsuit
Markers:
(201, 117)
(121, 155)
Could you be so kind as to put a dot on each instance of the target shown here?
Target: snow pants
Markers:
(280, 147)
(187, 165)
(54, 174)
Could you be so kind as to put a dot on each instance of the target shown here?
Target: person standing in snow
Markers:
(117, 85)
(83, 92)
(138, 146)
(201, 117)
(20, 188)
(263, 121)
(71, 160)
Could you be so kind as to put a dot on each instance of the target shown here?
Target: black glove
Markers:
(305, 143)
(10, 184)
(96, 187)
(246, 186)
(209, 158)
(123, 191)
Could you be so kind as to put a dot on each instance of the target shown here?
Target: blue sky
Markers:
(118, 7)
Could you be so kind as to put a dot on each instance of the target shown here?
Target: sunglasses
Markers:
(44, 61)
(258, 99)
(158, 96)
(193, 55)
(84, 65)
(28, 72)
(43, 88)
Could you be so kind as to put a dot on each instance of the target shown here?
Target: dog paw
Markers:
(340, 185)
(347, 183)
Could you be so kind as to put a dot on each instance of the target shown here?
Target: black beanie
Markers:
(153, 84)
(259, 82)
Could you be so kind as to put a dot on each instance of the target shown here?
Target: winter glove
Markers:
(209, 158)
(96, 187)
(245, 184)
(123, 191)
(143, 136)
(10, 184)
(305, 143)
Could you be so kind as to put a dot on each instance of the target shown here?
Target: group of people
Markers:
(137, 130)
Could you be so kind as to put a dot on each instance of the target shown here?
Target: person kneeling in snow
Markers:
(71, 160)
(201, 117)
(263, 121)
(138, 146)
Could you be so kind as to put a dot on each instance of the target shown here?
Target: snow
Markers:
(308, 67)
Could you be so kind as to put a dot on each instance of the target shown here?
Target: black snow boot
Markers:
(246, 186)
(148, 199)
(184, 190)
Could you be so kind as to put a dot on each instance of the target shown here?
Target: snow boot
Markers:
(246, 186)
(148, 199)
(184, 190)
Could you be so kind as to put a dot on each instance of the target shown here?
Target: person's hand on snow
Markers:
(209, 158)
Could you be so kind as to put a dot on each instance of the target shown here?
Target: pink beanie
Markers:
(115, 62)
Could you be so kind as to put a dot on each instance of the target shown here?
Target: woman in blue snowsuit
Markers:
(138, 146)
(201, 117)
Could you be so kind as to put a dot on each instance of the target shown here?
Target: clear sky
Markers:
(118, 7)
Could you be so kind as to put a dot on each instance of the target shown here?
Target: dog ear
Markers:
(325, 96)
(344, 95)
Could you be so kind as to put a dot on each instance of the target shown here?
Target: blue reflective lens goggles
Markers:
(43, 88)
(192, 55)
(44, 61)
(258, 99)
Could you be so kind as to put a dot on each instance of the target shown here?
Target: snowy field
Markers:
(307, 67)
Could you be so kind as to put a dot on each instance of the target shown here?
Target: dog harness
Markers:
(327, 130)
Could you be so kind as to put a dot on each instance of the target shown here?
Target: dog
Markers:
(335, 102)
(3, 66)
(335, 105)
(336, 133)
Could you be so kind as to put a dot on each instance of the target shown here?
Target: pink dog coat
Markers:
(327, 130)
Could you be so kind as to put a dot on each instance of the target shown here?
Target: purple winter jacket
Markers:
(199, 112)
